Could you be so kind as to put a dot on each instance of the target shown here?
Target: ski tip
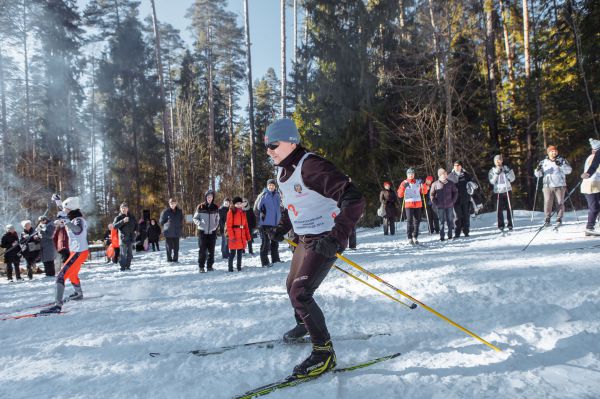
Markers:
(154, 354)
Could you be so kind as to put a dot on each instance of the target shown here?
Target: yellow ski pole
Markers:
(416, 301)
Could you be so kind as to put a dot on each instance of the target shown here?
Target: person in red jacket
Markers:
(412, 192)
(237, 231)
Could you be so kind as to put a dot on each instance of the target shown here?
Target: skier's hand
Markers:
(585, 176)
(14, 244)
(277, 234)
(55, 197)
(327, 246)
(25, 236)
(406, 184)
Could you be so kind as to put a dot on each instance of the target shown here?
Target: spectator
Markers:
(12, 255)
(206, 219)
(462, 220)
(154, 235)
(222, 228)
(389, 208)
(126, 223)
(251, 217)
(268, 209)
(172, 220)
(45, 230)
(238, 232)
(443, 195)
(30, 246)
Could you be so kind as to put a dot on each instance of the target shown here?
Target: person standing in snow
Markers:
(590, 187)
(154, 235)
(462, 220)
(251, 217)
(432, 217)
(268, 208)
(45, 230)
(222, 228)
(172, 220)
(389, 205)
(238, 233)
(12, 255)
(206, 220)
(553, 169)
(412, 191)
(30, 246)
(322, 207)
(500, 176)
(77, 231)
(443, 196)
(126, 223)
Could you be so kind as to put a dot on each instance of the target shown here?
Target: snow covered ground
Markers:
(541, 307)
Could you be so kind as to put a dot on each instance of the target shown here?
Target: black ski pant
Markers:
(352, 239)
(232, 254)
(267, 245)
(462, 221)
(30, 266)
(49, 268)
(502, 205)
(432, 218)
(206, 249)
(172, 249)
(413, 221)
(593, 201)
(307, 272)
(115, 258)
(9, 268)
(155, 246)
(64, 255)
(389, 225)
(126, 255)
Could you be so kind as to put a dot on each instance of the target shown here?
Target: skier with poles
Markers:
(553, 170)
(590, 187)
(500, 176)
(12, 255)
(430, 210)
(322, 206)
(411, 191)
(443, 195)
(462, 221)
(77, 230)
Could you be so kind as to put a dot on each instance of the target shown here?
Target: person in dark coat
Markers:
(207, 221)
(443, 195)
(172, 220)
(251, 217)
(12, 255)
(389, 205)
(126, 223)
(432, 217)
(268, 208)
(461, 207)
(222, 219)
(45, 230)
(30, 246)
(154, 235)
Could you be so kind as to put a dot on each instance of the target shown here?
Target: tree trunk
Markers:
(165, 124)
(510, 56)
(448, 133)
(283, 58)
(435, 43)
(230, 124)
(93, 132)
(4, 162)
(250, 101)
(211, 110)
(529, 131)
(28, 146)
(402, 20)
(526, 39)
(490, 52)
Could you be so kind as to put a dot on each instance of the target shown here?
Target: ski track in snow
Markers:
(541, 307)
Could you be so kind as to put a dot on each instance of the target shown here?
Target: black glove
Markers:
(406, 184)
(559, 161)
(327, 246)
(277, 234)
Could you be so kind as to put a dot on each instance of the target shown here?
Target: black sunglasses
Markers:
(272, 146)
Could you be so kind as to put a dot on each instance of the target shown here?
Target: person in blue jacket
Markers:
(268, 209)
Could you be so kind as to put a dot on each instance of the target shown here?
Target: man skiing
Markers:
(590, 187)
(553, 169)
(412, 191)
(76, 227)
(500, 176)
(322, 206)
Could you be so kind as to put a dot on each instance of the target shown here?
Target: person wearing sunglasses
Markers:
(322, 207)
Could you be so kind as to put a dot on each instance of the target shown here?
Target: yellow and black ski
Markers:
(293, 381)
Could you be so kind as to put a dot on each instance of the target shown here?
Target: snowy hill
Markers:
(541, 307)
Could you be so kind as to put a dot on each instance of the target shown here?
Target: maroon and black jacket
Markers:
(323, 177)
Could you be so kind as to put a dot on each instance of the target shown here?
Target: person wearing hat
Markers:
(76, 227)
(268, 209)
(389, 204)
(590, 187)
(443, 196)
(45, 230)
(30, 246)
(322, 207)
(251, 217)
(223, 209)
(412, 191)
(462, 219)
(127, 225)
(500, 176)
(238, 233)
(553, 170)
(206, 219)
(432, 216)
(12, 253)
(172, 221)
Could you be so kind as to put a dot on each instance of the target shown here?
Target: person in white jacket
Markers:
(590, 187)
(553, 169)
(500, 176)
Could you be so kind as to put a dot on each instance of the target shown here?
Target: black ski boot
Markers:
(321, 359)
(52, 309)
(547, 222)
(76, 296)
(295, 333)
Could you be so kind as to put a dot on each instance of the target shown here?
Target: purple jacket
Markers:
(443, 195)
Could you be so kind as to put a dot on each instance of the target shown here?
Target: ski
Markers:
(293, 381)
(31, 315)
(44, 305)
(268, 344)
